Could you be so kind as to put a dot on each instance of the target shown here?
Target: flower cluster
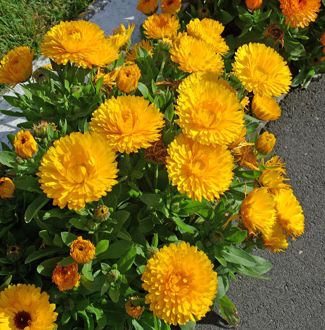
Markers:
(140, 179)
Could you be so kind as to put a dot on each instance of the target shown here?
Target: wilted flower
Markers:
(7, 188)
(66, 277)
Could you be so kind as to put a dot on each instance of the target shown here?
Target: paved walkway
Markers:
(294, 298)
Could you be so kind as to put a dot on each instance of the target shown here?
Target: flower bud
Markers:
(133, 307)
(265, 143)
(102, 213)
(253, 4)
(40, 129)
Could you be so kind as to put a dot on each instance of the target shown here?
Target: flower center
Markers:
(207, 115)
(22, 320)
(75, 35)
(177, 282)
(77, 173)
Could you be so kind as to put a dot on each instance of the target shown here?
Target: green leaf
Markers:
(125, 263)
(188, 326)
(27, 183)
(183, 227)
(45, 236)
(7, 158)
(68, 238)
(86, 271)
(238, 256)
(114, 294)
(102, 246)
(34, 207)
(145, 91)
(117, 249)
(136, 325)
(46, 267)
(41, 254)
(228, 311)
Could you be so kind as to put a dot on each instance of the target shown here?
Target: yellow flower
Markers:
(25, 144)
(133, 307)
(265, 108)
(198, 170)
(240, 139)
(258, 211)
(171, 6)
(16, 65)
(273, 176)
(300, 13)
(262, 70)
(133, 53)
(128, 77)
(208, 30)
(194, 55)
(275, 240)
(265, 143)
(160, 26)
(78, 169)
(128, 123)
(244, 102)
(245, 156)
(289, 212)
(26, 307)
(80, 42)
(108, 78)
(66, 277)
(208, 109)
(181, 283)
(121, 36)
(7, 188)
(147, 7)
(82, 250)
(253, 4)
(4, 321)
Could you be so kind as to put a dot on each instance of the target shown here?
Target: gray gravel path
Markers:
(294, 298)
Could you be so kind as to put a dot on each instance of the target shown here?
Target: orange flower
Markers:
(300, 13)
(171, 6)
(133, 308)
(7, 188)
(66, 277)
(128, 78)
(322, 39)
(82, 250)
(253, 4)
(147, 6)
(25, 144)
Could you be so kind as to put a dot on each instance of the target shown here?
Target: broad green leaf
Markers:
(34, 207)
(68, 238)
(228, 310)
(7, 158)
(41, 254)
(125, 263)
(238, 256)
(102, 246)
(117, 249)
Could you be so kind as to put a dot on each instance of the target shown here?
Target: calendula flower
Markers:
(82, 250)
(121, 35)
(4, 321)
(208, 109)
(300, 13)
(159, 26)
(265, 108)
(147, 7)
(194, 55)
(170, 6)
(25, 144)
(128, 78)
(180, 282)
(253, 4)
(134, 51)
(275, 240)
(258, 211)
(198, 170)
(109, 79)
(273, 176)
(133, 307)
(208, 30)
(66, 277)
(26, 307)
(265, 143)
(244, 102)
(245, 156)
(80, 42)
(16, 65)
(102, 213)
(289, 212)
(262, 70)
(157, 152)
(7, 188)
(78, 169)
(128, 123)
